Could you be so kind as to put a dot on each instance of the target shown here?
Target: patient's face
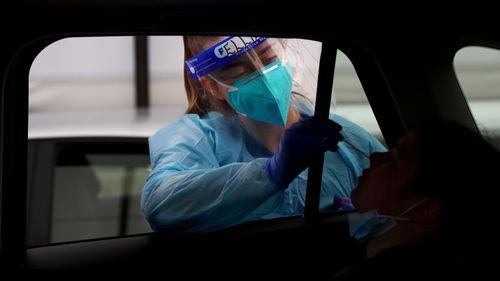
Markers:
(387, 184)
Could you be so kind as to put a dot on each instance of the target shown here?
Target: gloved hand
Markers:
(301, 145)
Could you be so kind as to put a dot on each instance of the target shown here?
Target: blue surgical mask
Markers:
(367, 225)
(363, 226)
(265, 94)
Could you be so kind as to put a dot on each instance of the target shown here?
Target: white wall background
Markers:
(113, 56)
(98, 73)
(85, 58)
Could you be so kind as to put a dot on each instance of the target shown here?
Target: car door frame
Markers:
(374, 56)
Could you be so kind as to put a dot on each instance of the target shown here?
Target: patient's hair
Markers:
(460, 169)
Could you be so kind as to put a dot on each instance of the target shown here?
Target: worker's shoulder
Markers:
(211, 121)
(348, 125)
(352, 131)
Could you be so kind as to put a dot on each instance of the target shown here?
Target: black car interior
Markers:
(405, 68)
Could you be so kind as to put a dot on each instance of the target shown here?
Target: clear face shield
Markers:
(251, 64)
(255, 73)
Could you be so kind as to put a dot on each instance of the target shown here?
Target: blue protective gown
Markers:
(207, 173)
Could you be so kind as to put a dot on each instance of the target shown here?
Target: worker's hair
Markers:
(200, 102)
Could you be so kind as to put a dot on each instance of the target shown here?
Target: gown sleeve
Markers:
(189, 190)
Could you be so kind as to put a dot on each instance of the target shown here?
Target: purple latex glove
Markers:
(301, 145)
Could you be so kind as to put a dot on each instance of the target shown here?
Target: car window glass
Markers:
(90, 136)
(349, 103)
(478, 72)
(349, 98)
(82, 97)
(98, 198)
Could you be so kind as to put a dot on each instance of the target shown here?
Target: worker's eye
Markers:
(231, 72)
(269, 59)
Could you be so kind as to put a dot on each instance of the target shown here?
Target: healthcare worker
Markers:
(241, 151)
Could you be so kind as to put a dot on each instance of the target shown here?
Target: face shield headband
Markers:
(220, 54)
